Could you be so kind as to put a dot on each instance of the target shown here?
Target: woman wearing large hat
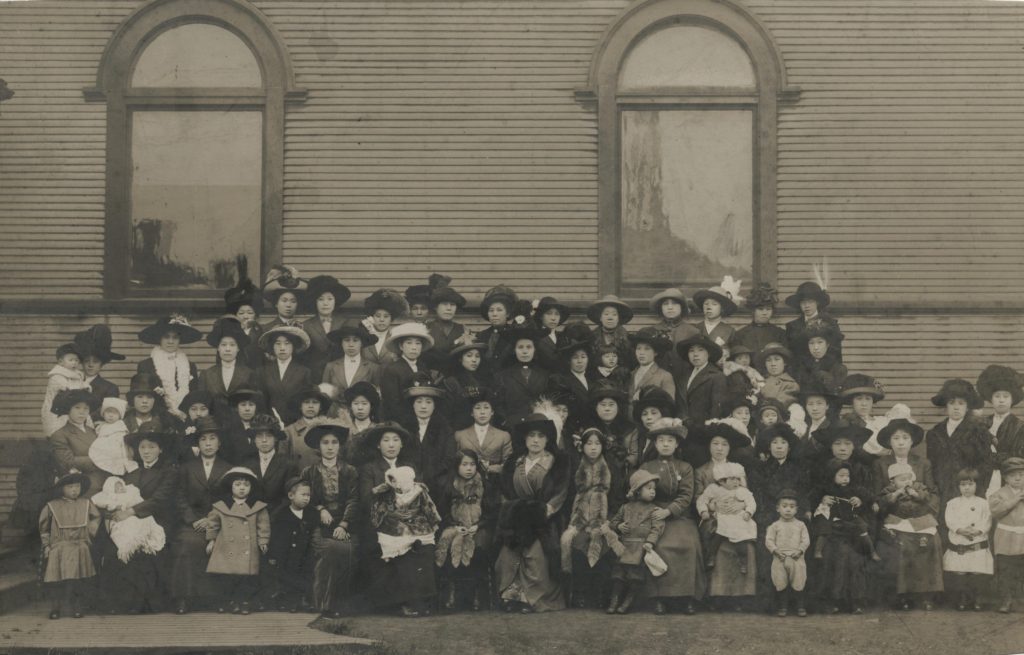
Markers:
(283, 375)
(445, 302)
(671, 306)
(535, 485)
(522, 380)
(286, 292)
(324, 299)
(549, 315)
(147, 410)
(408, 342)
(817, 353)
(703, 387)
(177, 374)
(334, 484)
(760, 332)
(70, 443)
(810, 301)
(230, 371)
(960, 440)
(496, 308)
(94, 347)
(1003, 387)
(651, 405)
(433, 444)
(463, 381)
(350, 339)
(611, 314)
(648, 372)
(382, 308)
(309, 404)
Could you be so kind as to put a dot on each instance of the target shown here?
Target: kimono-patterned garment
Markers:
(463, 513)
(237, 532)
(643, 529)
(968, 554)
(399, 522)
(589, 512)
(970, 445)
(679, 544)
(67, 527)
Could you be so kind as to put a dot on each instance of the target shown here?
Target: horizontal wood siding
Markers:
(911, 356)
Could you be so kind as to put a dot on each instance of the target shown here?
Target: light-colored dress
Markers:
(732, 526)
(67, 527)
(961, 513)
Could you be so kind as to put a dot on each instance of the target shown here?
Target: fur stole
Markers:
(459, 539)
(175, 376)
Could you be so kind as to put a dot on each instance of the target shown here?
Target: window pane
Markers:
(197, 55)
(686, 56)
(196, 201)
(687, 197)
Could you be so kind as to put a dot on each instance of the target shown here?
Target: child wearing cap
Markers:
(911, 520)
(294, 542)
(960, 440)
(67, 526)
(640, 525)
(732, 506)
(773, 360)
(109, 452)
(760, 332)
(238, 533)
(787, 540)
(65, 374)
(1007, 507)
(968, 558)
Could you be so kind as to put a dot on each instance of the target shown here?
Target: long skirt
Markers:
(332, 575)
(69, 560)
(523, 576)
(189, 579)
(680, 547)
(726, 579)
(405, 579)
(842, 575)
(919, 568)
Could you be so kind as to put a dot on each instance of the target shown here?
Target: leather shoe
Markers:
(181, 607)
(690, 609)
(408, 612)
(659, 608)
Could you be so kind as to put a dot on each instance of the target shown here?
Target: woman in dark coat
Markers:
(534, 486)
(496, 308)
(701, 389)
(230, 341)
(464, 382)
(522, 381)
(196, 493)
(679, 545)
(138, 585)
(324, 298)
(432, 446)
(283, 376)
(168, 362)
(335, 495)
(966, 445)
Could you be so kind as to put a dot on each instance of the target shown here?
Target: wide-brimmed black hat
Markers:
(68, 398)
(196, 396)
(856, 384)
(702, 340)
(456, 353)
(500, 293)
(97, 342)
(390, 300)
(310, 391)
(351, 328)
(162, 439)
(445, 293)
(143, 383)
(227, 326)
(538, 422)
(322, 284)
(321, 426)
(372, 437)
(763, 295)
(1001, 378)
(522, 330)
(780, 429)
(809, 291)
(575, 336)
(653, 396)
(655, 338)
(915, 431)
(364, 389)
(734, 401)
(723, 296)
(72, 477)
(69, 348)
(280, 279)
(549, 302)
(816, 385)
(611, 300)
(242, 294)
(418, 294)
(152, 334)
(239, 395)
(843, 430)
(294, 333)
(958, 388)
(265, 423)
(603, 389)
(720, 428)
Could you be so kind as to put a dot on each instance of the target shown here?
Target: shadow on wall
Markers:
(152, 265)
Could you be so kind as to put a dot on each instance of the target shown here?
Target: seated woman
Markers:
(334, 486)
(135, 586)
(534, 486)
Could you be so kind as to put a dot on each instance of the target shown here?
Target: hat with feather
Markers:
(819, 327)
(281, 279)
(176, 323)
(727, 294)
(441, 291)
(241, 295)
(856, 384)
(96, 342)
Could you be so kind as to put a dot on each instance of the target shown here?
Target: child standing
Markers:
(67, 527)
(638, 523)
(463, 549)
(238, 532)
(294, 542)
(732, 506)
(66, 374)
(109, 452)
(968, 557)
(787, 540)
(911, 509)
(1008, 542)
(584, 542)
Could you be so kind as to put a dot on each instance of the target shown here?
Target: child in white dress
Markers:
(732, 506)
(968, 556)
(109, 452)
(131, 534)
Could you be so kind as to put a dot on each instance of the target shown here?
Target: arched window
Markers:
(687, 94)
(195, 93)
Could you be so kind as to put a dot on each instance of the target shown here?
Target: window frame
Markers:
(602, 94)
(113, 87)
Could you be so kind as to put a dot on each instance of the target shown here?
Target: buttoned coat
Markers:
(195, 493)
(279, 390)
(271, 483)
(321, 350)
(70, 447)
(367, 371)
(237, 532)
(656, 377)
(294, 541)
(431, 456)
(516, 394)
(1009, 437)
(704, 397)
(211, 380)
(496, 448)
(395, 378)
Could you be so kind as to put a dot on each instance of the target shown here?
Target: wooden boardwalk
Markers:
(29, 630)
